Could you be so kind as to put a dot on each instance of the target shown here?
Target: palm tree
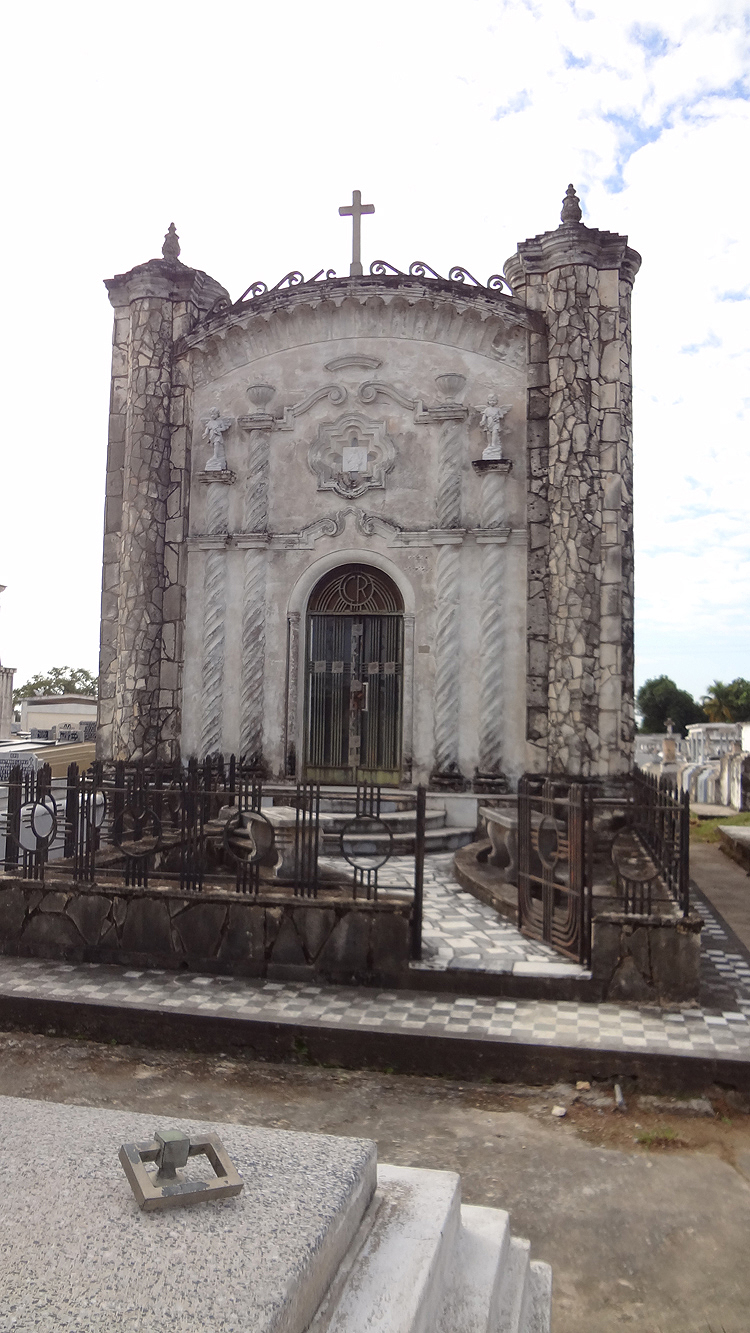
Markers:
(717, 702)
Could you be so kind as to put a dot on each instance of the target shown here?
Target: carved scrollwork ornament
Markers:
(255, 289)
(418, 269)
(381, 268)
(292, 279)
(460, 274)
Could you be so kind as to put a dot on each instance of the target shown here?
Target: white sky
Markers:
(248, 124)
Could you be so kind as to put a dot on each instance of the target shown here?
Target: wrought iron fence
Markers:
(207, 826)
(661, 822)
(623, 847)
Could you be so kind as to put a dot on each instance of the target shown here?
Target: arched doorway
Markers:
(354, 677)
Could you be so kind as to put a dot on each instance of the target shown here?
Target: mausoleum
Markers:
(375, 527)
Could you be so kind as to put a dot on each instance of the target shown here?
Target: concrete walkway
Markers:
(725, 884)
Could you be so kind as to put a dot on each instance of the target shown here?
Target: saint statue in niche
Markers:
(355, 462)
(491, 423)
(216, 425)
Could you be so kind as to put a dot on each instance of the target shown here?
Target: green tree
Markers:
(58, 680)
(660, 699)
(728, 703)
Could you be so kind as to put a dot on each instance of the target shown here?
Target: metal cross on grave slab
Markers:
(355, 211)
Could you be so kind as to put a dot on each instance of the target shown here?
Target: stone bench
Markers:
(272, 834)
(502, 831)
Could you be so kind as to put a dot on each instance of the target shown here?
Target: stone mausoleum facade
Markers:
(375, 527)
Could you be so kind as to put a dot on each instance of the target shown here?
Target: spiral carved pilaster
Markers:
(214, 614)
(491, 662)
(217, 509)
(253, 656)
(492, 501)
(447, 660)
(255, 513)
(449, 476)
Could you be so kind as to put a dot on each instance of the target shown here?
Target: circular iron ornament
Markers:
(261, 838)
(361, 842)
(357, 589)
(548, 842)
(37, 825)
(96, 807)
(136, 847)
(496, 282)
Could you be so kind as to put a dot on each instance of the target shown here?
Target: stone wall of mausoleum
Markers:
(471, 448)
(407, 372)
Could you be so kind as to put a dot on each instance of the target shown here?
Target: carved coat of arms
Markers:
(351, 455)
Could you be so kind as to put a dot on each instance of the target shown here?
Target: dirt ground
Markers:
(643, 1212)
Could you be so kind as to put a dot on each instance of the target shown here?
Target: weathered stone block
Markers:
(89, 911)
(346, 952)
(53, 902)
(389, 945)
(147, 927)
(243, 943)
(52, 935)
(287, 947)
(609, 287)
(314, 925)
(13, 906)
(198, 929)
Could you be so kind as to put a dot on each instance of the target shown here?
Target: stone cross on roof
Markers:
(355, 211)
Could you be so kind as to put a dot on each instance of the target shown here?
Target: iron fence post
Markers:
(419, 847)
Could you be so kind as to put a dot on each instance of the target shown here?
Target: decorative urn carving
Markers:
(260, 394)
(451, 385)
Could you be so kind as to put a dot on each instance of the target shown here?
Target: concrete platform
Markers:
(78, 1252)
(319, 1240)
(735, 842)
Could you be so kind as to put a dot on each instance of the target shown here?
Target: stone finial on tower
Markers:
(171, 246)
(571, 209)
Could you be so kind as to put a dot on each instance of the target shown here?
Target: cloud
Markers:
(651, 39)
(518, 102)
(710, 340)
(646, 108)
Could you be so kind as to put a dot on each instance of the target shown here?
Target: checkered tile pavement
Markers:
(537, 1022)
(459, 932)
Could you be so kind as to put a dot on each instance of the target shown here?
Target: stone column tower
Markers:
(146, 510)
(580, 591)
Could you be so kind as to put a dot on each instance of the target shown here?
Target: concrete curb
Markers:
(498, 1060)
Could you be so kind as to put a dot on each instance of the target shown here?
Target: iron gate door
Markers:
(554, 872)
(354, 698)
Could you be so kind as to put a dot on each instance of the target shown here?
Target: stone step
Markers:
(422, 1263)
(436, 840)
(394, 1283)
(471, 1299)
(398, 821)
(492, 1286)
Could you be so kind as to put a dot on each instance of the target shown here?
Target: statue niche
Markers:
(351, 455)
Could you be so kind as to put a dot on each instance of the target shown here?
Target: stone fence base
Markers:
(647, 958)
(281, 938)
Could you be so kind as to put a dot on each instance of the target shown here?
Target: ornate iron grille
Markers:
(206, 827)
(355, 591)
(554, 871)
